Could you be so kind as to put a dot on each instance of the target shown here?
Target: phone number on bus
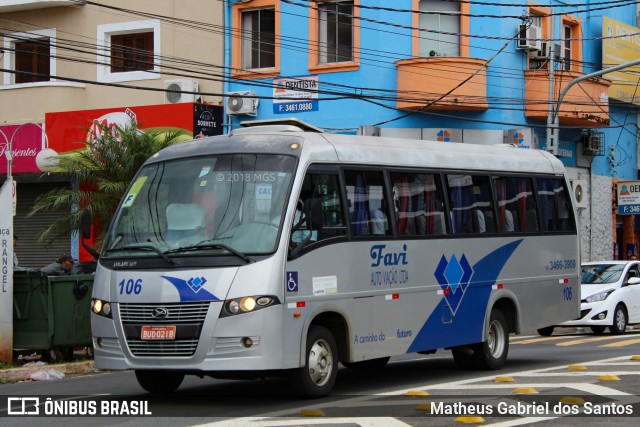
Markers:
(562, 264)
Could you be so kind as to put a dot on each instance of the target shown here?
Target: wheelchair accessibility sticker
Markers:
(292, 281)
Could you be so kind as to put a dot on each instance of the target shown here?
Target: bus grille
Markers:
(162, 348)
(187, 317)
(186, 313)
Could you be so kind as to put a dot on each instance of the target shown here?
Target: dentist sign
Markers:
(628, 197)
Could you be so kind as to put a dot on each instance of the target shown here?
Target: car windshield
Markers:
(601, 273)
(227, 204)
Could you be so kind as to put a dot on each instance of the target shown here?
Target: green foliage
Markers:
(100, 174)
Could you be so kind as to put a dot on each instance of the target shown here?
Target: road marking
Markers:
(268, 422)
(286, 417)
(622, 343)
(586, 340)
(540, 339)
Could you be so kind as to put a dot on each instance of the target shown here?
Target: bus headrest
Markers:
(185, 216)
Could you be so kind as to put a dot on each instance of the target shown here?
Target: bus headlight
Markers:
(101, 308)
(247, 304)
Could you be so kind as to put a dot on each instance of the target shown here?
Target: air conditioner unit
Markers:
(242, 103)
(579, 187)
(180, 90)
(529, 38)
(541, 55)
(592, 143)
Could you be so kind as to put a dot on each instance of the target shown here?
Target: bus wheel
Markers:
(546, 332)
(318, 375)
(157, 382)
(368, 364)
(619, 321)
(492, 354)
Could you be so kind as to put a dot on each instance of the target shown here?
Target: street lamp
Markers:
(8, 201)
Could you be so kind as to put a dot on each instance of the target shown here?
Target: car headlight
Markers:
(600, 296)
(247, 304)
(101, 308)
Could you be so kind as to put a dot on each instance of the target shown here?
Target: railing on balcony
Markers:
(586, 104)
(442, 83)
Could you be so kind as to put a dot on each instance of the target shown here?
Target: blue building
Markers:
(458, 72)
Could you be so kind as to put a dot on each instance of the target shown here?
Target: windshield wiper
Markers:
(144, 248)
(202, 245)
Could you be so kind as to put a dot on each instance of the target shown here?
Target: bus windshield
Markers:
(226, 204)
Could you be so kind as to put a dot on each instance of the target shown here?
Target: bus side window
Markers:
(516, 206)
(419, 204)
(555, 206)
(324, 187)
(368, 207)
(471, 205)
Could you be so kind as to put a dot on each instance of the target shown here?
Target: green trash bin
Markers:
(51, 313)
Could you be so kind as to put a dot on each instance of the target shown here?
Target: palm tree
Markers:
(100, 174)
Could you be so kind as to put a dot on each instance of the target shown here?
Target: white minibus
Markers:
(281, 249)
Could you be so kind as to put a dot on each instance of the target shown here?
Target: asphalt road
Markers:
(565, 379)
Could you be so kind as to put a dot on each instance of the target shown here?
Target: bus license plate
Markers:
(158, 333)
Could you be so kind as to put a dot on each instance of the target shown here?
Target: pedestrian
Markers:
(61, 267)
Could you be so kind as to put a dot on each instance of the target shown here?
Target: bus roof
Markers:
(322, 147)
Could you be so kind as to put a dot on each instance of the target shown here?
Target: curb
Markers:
(23, 373)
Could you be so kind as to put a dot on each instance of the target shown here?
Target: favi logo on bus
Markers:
(454, 276)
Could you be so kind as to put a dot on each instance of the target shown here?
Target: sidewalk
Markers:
(45, 372)
(35, 368)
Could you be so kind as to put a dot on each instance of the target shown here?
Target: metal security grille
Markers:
(187, 318)
(30, 252)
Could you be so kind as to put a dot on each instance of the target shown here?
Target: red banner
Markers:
(68, 130)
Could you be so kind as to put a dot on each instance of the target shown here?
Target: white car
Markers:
(610, 297)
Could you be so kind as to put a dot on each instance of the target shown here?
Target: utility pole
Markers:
(552, 138)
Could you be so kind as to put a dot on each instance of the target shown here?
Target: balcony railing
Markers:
(586, 104)
(442, 83)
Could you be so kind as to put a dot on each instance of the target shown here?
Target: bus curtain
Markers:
(360, 215)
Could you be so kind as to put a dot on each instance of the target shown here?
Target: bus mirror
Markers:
(85, 228)
(313, 212)
(85, 223)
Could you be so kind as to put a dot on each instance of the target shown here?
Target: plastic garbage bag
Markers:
(46, 375)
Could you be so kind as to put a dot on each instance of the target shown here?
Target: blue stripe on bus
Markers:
(466, 325)
(190, 291)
